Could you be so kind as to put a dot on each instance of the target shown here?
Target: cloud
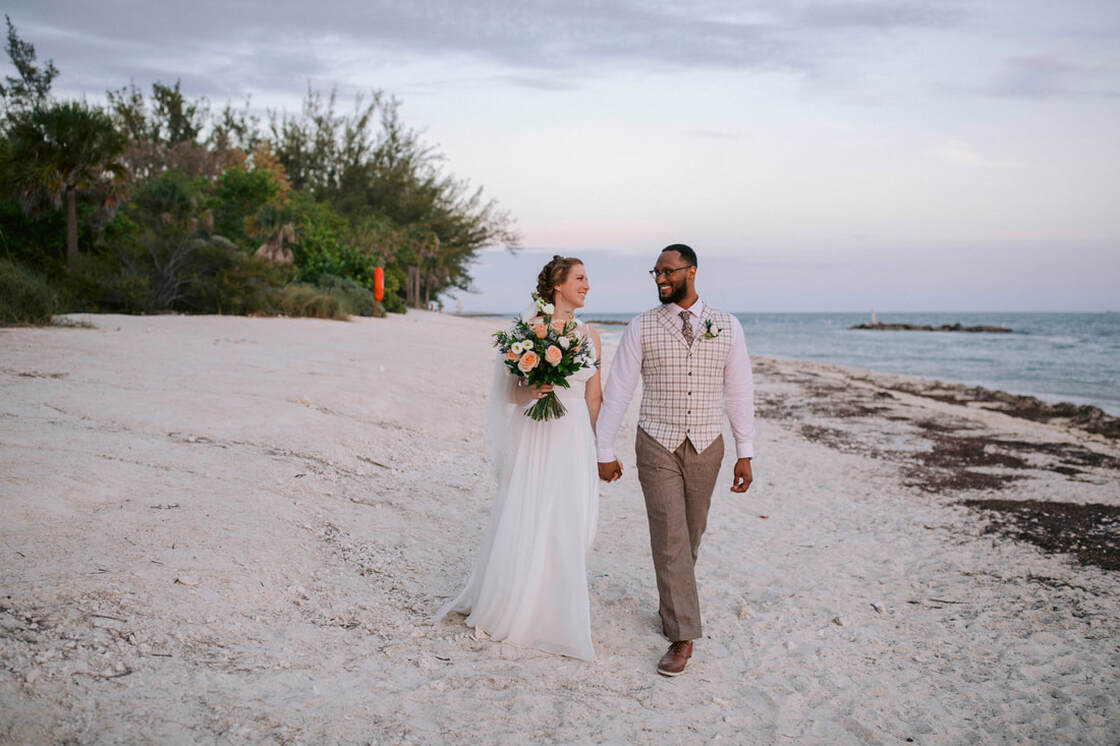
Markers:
(961, 153)
(542, 82)
(955, 151)
(715, 134)
(228, 50)
(93, 59)
(878, 15)
(1044, 76)
(542, 43)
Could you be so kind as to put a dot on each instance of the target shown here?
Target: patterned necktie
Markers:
(686, 330)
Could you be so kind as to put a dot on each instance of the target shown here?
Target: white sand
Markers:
(223, 529)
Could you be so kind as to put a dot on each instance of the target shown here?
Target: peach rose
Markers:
(511, 355)
(553, 355)
(558, 326)
(528, 361)
(539, 330)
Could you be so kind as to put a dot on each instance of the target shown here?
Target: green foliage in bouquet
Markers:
(544, 351)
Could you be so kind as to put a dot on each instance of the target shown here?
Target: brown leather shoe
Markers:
(675, 659)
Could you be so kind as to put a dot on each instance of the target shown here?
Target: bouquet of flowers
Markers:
(542, 350)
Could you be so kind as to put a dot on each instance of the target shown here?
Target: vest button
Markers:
(690, 393)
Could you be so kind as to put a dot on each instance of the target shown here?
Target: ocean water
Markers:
(1072, 357)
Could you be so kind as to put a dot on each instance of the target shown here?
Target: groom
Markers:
(693, 363)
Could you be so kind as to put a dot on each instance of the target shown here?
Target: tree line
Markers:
(158, 202)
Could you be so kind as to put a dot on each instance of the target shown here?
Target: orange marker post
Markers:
(378, 289)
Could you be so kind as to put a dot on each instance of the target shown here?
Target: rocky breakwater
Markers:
(927, 328)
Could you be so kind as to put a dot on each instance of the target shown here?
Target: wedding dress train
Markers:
(528, 585)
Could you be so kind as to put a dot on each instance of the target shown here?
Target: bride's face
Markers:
(574, 288)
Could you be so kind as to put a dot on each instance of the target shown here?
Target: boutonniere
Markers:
(709, 333)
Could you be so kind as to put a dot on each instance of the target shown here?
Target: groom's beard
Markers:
(675, 296)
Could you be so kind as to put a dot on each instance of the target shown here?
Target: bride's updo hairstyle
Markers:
(554, 273)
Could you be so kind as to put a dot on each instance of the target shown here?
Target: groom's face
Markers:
(673, 278)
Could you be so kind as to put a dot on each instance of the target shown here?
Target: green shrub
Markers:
(82, 290)
(25, 297)
(236, 283)
(305, 300)
(394, 303)
(126, 288)
(352, 296)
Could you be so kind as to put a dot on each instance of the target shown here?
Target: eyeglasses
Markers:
(655, 273)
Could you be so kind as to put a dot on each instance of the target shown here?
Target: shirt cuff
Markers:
(744, 450)
(606, 455)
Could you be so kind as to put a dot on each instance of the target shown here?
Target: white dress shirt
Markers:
(626, 369)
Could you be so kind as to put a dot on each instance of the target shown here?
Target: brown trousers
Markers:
(678, 490)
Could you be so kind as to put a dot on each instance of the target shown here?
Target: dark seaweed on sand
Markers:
(1090, 532)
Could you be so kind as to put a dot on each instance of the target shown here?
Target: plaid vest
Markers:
(682, 387)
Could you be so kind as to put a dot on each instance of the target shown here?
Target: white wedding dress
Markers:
(528, 586)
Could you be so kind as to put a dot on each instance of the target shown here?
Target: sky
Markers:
(818, 155)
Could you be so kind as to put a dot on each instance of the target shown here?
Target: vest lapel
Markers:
(665, 317)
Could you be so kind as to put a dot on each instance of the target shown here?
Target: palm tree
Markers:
(63, 151)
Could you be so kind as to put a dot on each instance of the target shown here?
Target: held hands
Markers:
(740, 480)
(609, 471)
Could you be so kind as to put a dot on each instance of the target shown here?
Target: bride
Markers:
(528, 586)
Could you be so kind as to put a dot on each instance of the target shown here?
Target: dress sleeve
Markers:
(738, 392)
(626, 369)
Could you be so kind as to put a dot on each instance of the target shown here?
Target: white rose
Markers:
(548, 309)
(564, 342)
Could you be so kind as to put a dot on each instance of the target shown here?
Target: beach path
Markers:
(237, 529)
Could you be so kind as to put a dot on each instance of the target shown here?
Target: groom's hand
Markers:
(740, 480)
(610, 470)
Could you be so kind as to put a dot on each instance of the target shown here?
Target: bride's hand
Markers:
(526, 394)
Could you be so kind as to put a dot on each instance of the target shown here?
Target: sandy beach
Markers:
(235, 530)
